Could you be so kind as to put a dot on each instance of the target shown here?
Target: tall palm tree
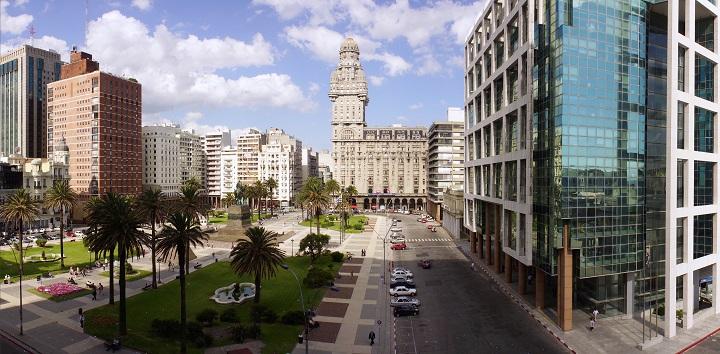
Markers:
(332, 188)
(316, 198)
(228, 199)
(21, 209)
(300, 198)
(97, 245)
(61, 196)
(193, 203)
(351, 191)
(257, 254)
(151, 203)
(117, 224)
(271, 184)
(182, 231)
(260, 192)
(193, 182)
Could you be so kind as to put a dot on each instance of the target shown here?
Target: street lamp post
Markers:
(292, 246)
(302, 302)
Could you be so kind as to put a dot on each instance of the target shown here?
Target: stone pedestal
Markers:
(238, 220)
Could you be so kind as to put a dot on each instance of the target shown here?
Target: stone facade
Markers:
(387, 165)
(281, 159)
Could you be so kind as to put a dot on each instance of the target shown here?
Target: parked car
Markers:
(401, 268)
(404, 300)
(403, 291)
(398, 246)
(78, 233)
(402, 272)
(397, 239)
(53, 237)
(398, 280)
(406, 284)
(406, 310)
(425, 264)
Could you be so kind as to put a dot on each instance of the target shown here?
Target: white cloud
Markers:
(324, 44)
(193, 120)
(44, 42)
(376, 80)
(416, 106)
(12, 24)
(21, 2)
(177, 70)
(320, 11)
(313, 88)
(429, 65)
(142, 4)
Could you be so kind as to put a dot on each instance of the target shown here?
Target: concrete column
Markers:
(487, 235)
(716, 281)
(473, 242)
(688, 299)
(479, 240)
(629, 298)
(508, 268)
(539, 288)
(522, 278)
(498, 228)
(565, 297)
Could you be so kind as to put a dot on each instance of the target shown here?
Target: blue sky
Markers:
(261, 63)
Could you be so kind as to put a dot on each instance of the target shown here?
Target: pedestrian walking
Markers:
(82, 321)
(100, 287)
(595, 314)
(472, 266)
(592, 324)
(94, 294)
(371, 336)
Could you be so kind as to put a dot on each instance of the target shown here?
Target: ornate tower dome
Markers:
(61, 145)
(349, 45)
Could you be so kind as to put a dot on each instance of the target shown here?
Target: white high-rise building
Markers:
(192, 156)
(309, 164)
(213, 143)
(248, 149)
(228, 170)
(170, 157)
(281, 159)
(325, 165)
(446, 158)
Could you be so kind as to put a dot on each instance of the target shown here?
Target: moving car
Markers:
(403, 291)
(404, 300)
(79, 233)
(398, 246)
(406, 310)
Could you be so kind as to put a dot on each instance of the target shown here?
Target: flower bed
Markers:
(59, 289)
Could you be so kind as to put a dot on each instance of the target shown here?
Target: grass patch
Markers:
(75, 255)
(137, 274)
(280, 294)
(76, 294)
(333, 223)
(254, 217)
(219, 219)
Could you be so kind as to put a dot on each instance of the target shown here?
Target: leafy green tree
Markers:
(116, 224)
(257, 254)
(61, 196)
(332, 188)
(193, 182)
(271, 185)
(229, 199)
(182, 231)
(313, 244)
(151, 204)
(20, 209)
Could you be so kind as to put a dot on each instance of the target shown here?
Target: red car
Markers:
(398, 246)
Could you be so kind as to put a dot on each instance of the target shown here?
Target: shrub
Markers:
(194, 329)
(261, 313)
(269, 316)
(165, 328)
(207, 316)
(313, 245)
(128, 267)
(293, 318)
(41, 242)
(317, 277)
(43, 254)
(358, 227)
(254, 332)
(238, 333)
(229, 316)
(337, 256)
(203, 340)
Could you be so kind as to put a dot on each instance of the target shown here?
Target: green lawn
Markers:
(61, 298)
(75, 255)
(279, 293)
(254, 217)
(219, 219)
(138, 274)
(327, 223)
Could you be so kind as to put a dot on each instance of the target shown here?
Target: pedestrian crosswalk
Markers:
(428, 240)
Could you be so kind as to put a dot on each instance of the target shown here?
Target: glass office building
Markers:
(622, 114)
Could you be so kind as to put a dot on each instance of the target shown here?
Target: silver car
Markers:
(404, 300)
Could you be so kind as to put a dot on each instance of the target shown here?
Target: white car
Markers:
(401, 272)
(403, 291)
(79, 233)
(400, 278)
(401, 268)
(404, 300)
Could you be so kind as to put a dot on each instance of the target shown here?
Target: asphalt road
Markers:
(461, 310)
(709, 345)
(7, 347)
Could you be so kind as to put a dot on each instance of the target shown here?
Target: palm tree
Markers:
(332, 188)
(21, 209)
(61, 196)
(316, 198)
(97, 245)
(117, 224)
(229, 199)
(300, 198)
(271, 184)
(182, 231)
(193, 182)
(351, 191)
(151, 203)
(191, 202)
(257, 254)
(259, 191)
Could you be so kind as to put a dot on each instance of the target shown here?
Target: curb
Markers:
(700, 340)
(22, 345)
(519, 302)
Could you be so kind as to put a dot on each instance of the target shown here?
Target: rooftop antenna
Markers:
(31, 32)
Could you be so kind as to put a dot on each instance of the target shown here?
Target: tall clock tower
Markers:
(348, 94)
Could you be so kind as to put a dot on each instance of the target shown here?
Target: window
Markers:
(680, 183)
(680, 235)
(681, 68)
(704, 126)
(681, 125)
(497, 174)
(702, 235)
(703, 190)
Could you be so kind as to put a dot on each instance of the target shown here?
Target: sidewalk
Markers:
(617, 334)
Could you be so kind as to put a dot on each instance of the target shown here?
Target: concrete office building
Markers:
(24, 74)
(325, 165)
(281, 159)
(593, 154)
(387, 165)
(213, 143)
(248, 149)
(171, 156)
(228, 170)
(99, 115)
(309, 164)
(192, 156)
(446, 158)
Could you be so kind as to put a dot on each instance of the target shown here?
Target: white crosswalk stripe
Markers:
(428, 240)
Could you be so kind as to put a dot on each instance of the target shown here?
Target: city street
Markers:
(709, 345)
(461, 310)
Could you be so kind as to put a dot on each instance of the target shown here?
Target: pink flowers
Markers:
(59, 289)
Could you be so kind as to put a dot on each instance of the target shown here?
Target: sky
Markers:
(217, 64)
